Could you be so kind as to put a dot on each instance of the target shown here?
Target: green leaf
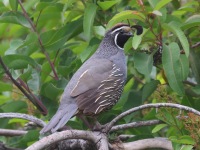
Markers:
(172, 68)
(124, 15)
(88, 20)
(99, 30)
(16, 61)
(158, 127)
(55, 39)
(17, 120)
(27, 139)
(5, 87)
(137, 39)
(128, 85)
(50, 15)
(184, 62)
(4, 99)
(37, 55)
(174, 27)
(43, 5)
(185, 139)
(92, 47)
(13, 4)
(15, 106)
(192, 21)
(34, 82)
(161, 4)
(46, 70)
(3, 8)
(196, 89)
(195, 65)
(153, 2)
(187, 147)
(14, 45)
(149, 88)
(52, 92)
(130, 100)
(107, 4)
(31, 38)
(156, 12)
(26, 74)
(143, 63)
(15, 18)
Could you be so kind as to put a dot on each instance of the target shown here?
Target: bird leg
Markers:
(85, 121)
(97, 126)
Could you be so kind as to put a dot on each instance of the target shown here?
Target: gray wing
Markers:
(99, 87)
(88, 77)
(88, 93)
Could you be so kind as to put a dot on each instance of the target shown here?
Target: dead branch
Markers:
(134, 125)
(148, 143)
(96, 137)
(157, 105)
(9, 132)
(39, 122)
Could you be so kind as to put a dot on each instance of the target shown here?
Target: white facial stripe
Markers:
(116, 41)
(118, 29)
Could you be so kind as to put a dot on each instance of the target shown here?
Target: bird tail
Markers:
(62, 116)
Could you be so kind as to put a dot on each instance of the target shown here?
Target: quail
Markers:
(98, 83)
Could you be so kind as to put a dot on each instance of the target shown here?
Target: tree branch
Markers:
(39, 122)
(134, 125)
(39, 39)
(148, 143)
(96, 137)
(8, 132)
(196, 45)
(36, 102)
(157, 105)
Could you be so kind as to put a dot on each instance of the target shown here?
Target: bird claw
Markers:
(100, 128)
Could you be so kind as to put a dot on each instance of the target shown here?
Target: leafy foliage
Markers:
(43, 57)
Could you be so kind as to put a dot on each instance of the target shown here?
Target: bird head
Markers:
(121, 32)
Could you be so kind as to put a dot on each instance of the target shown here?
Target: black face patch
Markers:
(138, 28)
(121, 39)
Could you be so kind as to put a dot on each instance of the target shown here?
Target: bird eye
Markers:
(121, 31)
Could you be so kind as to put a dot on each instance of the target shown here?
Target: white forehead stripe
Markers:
(118, 29)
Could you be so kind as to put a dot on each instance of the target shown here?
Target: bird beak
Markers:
(128, 31)
(138, 28)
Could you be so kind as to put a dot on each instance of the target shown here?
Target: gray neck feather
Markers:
(107, 47)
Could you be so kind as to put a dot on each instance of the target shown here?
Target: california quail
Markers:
(99, 82)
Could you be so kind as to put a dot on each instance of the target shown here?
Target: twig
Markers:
(196, 45)
(138, 79)
(96, 137)
(193, 46)
(125, 137)
(190, 83)
(25, 86)
(134, 125)
(149, 143)
(157, 105)
(33, 28)
(39, 122)
(8, 132)
(36, 102)
(38, 18)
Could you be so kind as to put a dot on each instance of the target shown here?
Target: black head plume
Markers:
(121, 32)
(138, 28)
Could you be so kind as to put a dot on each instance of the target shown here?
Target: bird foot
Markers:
(100, 128)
